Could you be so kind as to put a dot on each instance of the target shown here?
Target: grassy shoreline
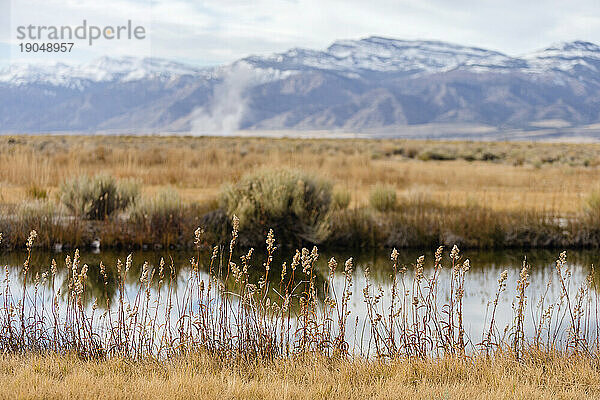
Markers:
(411, 226)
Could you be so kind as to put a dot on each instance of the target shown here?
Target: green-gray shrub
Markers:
(98, 197)
(36, 192)
(42, 215)
(440, 154)
(158, 209)
(592, 206)
(35, 211)
(295, 205)
(383, 197)
(341, 199)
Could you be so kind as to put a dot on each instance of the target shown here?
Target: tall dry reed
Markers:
(236, 310)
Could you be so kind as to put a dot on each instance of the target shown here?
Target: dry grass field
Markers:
(386, 193)
(503, 176)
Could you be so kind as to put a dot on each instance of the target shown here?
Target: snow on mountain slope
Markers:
(377, 54)
(383, 55)
(565, 57)
(104, 69)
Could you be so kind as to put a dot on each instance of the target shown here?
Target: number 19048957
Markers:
(46, 47)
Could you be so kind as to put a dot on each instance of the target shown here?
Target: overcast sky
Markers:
(220, 31)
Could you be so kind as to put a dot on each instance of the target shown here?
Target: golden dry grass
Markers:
(198, 376)
(520, 176)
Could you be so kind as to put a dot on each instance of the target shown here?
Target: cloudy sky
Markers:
(219, 31)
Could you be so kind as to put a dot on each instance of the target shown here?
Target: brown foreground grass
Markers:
(199, 376)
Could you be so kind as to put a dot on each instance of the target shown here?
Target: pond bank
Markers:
(407, 226)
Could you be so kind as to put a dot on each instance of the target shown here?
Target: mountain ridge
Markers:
(368, 85)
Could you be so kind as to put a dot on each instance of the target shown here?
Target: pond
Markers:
(101, 291)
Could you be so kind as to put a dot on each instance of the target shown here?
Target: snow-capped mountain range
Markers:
(374, 86)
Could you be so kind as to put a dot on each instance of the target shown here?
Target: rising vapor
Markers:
(227, 108)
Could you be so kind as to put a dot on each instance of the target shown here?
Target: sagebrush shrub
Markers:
(383, 197)
(293, 203)
(592, 206)
(98, 197)
(341, 199)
